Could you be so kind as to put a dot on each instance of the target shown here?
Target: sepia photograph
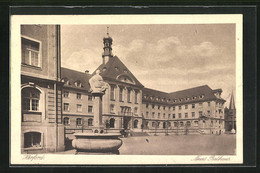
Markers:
(137, 89)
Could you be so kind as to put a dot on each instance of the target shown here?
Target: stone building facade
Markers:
(42, 129)
(129, 106)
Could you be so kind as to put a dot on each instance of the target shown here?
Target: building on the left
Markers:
(42, 129)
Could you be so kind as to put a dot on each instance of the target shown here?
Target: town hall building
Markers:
(131, 107)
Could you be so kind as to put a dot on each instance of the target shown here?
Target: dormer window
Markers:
(187, 99)
(201, 96)
(78, 84)
(180, 100)
(104, 69)
(194, 97)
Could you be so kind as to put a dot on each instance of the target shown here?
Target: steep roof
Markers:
(75, 76)
(114, 68)
(200, 93)
(232, 102)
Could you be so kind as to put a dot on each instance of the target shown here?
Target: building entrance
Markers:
(126, 122)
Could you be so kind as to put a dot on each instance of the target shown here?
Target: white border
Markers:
(15, 116)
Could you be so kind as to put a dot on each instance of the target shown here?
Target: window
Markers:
(163, 115)
(147, 105)
(208, 113)
(169, 116)
(79, 108)
(201, 96)
(175, 124)
(193, 114)
(200, 104)
(78, 84)
(159, 106)
(173, 116)
(186, 115)
(208, 103)
(78, 121)
(135, 110)
(153, 115)
(211, 124)
(90, 109)
(32, 140)
(188, 123)
(78, 95)
(90, 122)
(163, 107)
(121, 94)
(179, 107)
(200, 113)
(173, 108)
(153, 106)
(90, 97)
(193, 106)
(181, 124)
(66, 94)
(136, 96)
(112, 108)
(196, 123)
(158, 115)
(66, 107)
(128, 95)
(153, 124)
(179, 115)
(30, 52)
(112, 93)
(66, 121)
(147, 114)
(30, 99)
(186, 106)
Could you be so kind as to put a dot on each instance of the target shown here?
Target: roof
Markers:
(115, 68)
(75, 76)
(200, 93)
(232, 102)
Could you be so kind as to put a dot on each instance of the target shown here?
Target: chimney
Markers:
(87, 71)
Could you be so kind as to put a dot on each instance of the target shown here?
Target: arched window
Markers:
(66, 121)
(135, 123)
(181, 124)
(112, 123)
(188, 123)
(32, 139)
(78, 121)
(175, 124)
(30, 99)
(90, 122)
(153, 124)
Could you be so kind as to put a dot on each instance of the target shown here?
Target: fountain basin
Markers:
(100, 142)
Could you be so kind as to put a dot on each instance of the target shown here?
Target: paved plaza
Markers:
(177, 145)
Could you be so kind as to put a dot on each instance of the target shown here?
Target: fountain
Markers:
(98, 141)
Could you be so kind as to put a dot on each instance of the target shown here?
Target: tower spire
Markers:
(107, 54)
(108, 31)
(232, 102)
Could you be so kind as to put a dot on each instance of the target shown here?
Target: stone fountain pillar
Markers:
(97, 141)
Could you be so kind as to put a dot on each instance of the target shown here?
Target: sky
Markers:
(168, 57)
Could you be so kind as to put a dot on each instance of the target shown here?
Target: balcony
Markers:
(126, 113)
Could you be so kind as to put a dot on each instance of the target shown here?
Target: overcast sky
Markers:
(163, 57)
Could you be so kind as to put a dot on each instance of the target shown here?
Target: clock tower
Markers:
(107, 54)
